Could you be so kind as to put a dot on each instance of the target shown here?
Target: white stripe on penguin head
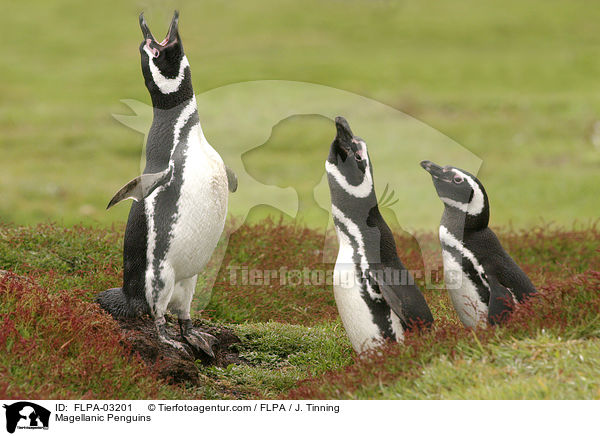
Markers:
(475, 206)
(366, 186)
(477, 202)
(166, 85)
(454, 203)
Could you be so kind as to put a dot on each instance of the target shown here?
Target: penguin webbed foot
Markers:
(201, 342)
(163, 336)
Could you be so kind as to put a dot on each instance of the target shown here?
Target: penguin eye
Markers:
(458, 179)
(357, 157)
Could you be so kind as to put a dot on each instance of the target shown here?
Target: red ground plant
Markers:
(61, 345)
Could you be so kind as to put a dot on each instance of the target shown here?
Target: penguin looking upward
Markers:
(180, 202)
(375, 294)
(482, 279)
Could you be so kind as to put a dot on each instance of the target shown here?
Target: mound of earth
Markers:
(177, 366)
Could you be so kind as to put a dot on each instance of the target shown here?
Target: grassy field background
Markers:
(514, 89)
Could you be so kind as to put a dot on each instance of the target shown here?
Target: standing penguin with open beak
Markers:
(180, 202)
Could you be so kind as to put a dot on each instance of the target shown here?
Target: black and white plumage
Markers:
(181, 199)
(375, 294)
(483, 280)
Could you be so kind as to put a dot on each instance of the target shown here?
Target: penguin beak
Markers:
(436, 171)
(343, 137)
(145, 29)
(172, 34)
(344, 134)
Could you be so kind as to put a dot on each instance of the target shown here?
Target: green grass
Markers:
(56, 343)
(514, 87)
(533, 369)
(279, 355)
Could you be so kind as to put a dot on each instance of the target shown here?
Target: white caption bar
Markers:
(263, 418)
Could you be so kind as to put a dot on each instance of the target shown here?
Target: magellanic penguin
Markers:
(376, 296)
(484, 282)
(180, 202)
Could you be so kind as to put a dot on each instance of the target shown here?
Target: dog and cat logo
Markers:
(26, 415)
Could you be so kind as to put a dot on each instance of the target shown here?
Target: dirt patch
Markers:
(177, 366)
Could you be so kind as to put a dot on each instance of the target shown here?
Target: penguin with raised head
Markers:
(376, 296)
(180, 202)
(484, 282)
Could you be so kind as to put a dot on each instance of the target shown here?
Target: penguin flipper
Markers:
(142, 186)
(501, 302)
(503, 267)
(513, 277)
(407, 302)
(232, 180)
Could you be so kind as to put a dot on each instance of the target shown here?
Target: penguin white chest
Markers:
(202, 208)
(463, 292)
(354, 311)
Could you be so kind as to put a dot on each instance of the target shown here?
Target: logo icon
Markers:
(26, 415)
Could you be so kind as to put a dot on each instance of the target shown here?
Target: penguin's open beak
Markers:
(173, 29)
(436, 171)
(172, 34)
(145, 29)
